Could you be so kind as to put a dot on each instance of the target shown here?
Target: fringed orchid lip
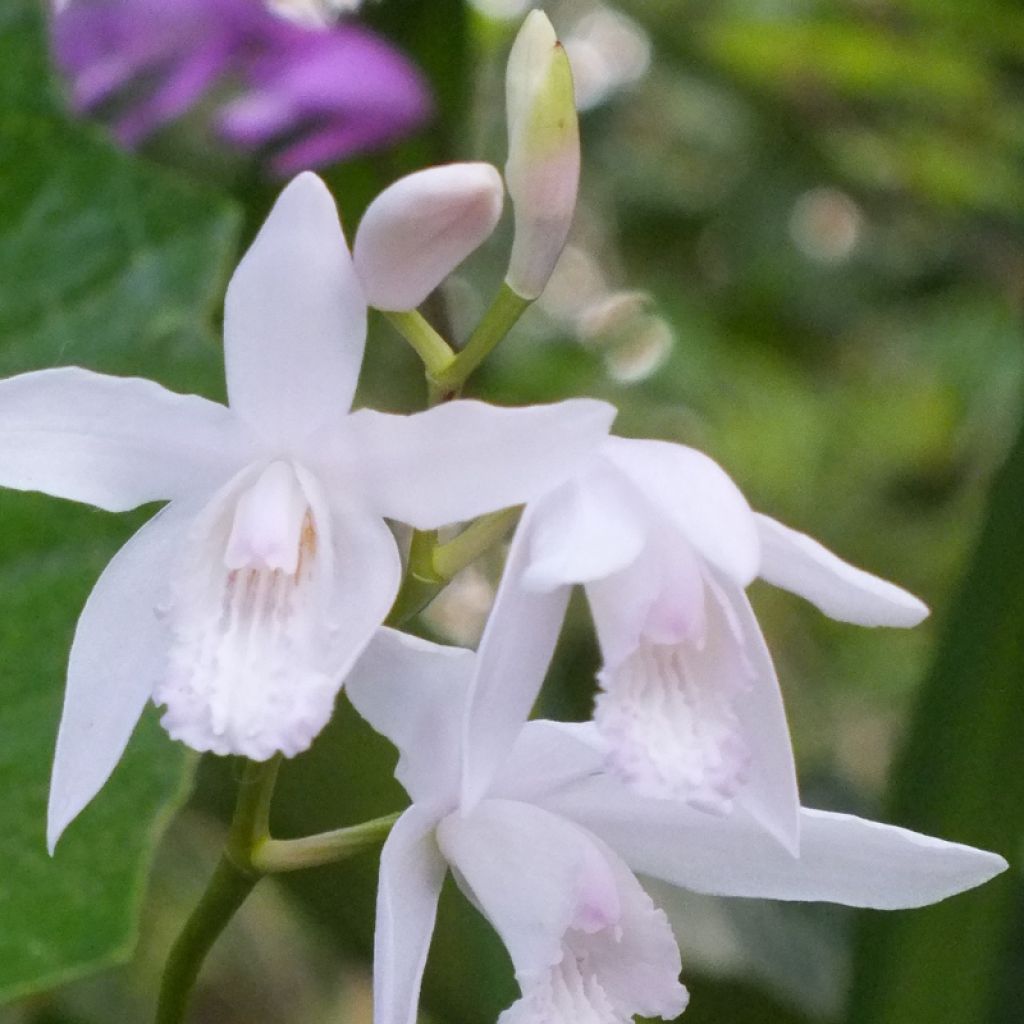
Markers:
(252, 662)
(586, 942)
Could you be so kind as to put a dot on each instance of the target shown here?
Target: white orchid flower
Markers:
(665, 544)
(241, 606)
(544, 841)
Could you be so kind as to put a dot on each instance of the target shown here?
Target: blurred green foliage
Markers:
(957, 775)
(116, 266)
(799, 247)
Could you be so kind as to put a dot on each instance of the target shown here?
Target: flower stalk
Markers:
(276, 855)
(234, 878)
(435, 353)
(249, 854)
(226, 892)
(432, 565)
(503, 314)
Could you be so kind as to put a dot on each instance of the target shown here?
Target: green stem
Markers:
(421, 584)
(226, 892)
(432, 565)
(232, 881)
(435, 352)
(479, 537)
(505, 311)
(292, 854)
(250, 823)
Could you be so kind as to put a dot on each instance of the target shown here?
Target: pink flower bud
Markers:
(417, 231)
(543, 166)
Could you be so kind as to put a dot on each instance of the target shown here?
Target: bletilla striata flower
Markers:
(242, 604)
(665, 544)
(545, 841)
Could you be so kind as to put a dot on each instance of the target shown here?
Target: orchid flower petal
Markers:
(843, 859)
(114, 442)
(796, 562)
(638, 963)
(658, 598)
(695, 718)
(770, 794)
(418, 230)
(294, 319)
(368, 573)
(584, 938)
(249, 671)
(413, 691)
(669, 713)
(513, 657)
(695, 494)
(118, 655)
(548, 755)
(534, 874)
(585, 530)
(411, 873)
(464, 458)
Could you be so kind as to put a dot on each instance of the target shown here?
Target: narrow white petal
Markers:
(294, 319)
(367, 575)
(770, 794)
(587, 529)
(411, 872)
(515, 651)
(796, 562)
(842, 859)
(695, 494)
(118, 655)
(414, 692)
(418, 230)
(465, 458)
(114, 442)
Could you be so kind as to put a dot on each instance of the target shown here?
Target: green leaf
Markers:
(959, 777)
(107, 263)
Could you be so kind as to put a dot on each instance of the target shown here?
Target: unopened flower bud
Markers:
(417, 231)
(543, 166)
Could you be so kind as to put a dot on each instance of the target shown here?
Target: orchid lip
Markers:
(250, 663)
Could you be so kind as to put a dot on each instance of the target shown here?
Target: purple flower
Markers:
(305, 96)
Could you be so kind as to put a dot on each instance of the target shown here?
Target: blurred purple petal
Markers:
(378, 99)
(185, 85)
(334, 143)
(316, 95)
